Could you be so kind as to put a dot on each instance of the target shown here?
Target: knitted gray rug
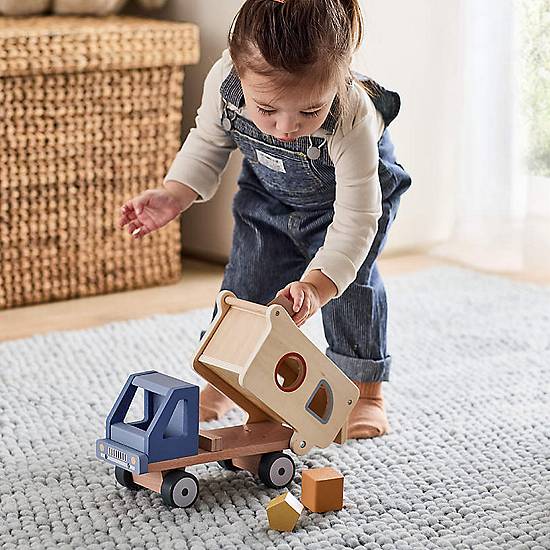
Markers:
(467, 464)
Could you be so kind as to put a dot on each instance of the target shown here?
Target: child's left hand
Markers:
(305, 300)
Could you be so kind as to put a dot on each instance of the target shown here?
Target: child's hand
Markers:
(305, 298)
(149, 211)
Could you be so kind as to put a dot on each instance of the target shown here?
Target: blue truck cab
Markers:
(168, 430)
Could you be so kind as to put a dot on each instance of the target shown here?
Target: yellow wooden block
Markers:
(283, 512)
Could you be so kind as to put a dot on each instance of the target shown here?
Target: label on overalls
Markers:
(271, 162)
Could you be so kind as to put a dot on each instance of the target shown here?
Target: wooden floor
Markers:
(198, 288)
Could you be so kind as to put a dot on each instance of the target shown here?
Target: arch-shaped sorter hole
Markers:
(321, 402)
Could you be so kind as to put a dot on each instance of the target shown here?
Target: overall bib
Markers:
(282, 209)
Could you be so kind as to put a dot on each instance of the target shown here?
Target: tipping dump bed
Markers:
(244, 350)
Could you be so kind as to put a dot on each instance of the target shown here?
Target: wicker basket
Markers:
(90, 114)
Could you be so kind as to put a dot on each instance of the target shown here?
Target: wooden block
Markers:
(210, 442)
(322, 489)
(283, 512)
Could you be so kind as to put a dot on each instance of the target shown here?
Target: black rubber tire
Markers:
(124, 478)
(228, 465)
(276, 470)
(179, 489)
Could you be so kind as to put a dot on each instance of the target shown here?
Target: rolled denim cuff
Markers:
(362, 370)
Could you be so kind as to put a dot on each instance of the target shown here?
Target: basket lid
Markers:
(62, 44)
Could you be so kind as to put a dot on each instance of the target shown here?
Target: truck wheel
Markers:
(124, 477)
(179, 488)
(276, 470)
(228, 465)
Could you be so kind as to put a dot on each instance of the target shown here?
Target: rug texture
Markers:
(467, 464)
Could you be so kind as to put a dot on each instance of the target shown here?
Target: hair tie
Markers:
(280, 1)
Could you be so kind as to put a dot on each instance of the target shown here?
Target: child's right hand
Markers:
(149, 211)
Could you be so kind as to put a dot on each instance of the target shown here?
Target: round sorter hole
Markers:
(290, 372)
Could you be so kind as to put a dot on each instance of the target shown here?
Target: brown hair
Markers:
(297, 41)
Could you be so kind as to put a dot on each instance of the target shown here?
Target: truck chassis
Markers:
(255, 447)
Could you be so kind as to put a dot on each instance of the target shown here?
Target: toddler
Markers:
(319, 186)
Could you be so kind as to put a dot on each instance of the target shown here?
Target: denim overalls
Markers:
(282, 209)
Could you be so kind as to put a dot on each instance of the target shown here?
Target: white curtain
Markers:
(502, 208)
(464, 73)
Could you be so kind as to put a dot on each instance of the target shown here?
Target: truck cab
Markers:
(168, 430)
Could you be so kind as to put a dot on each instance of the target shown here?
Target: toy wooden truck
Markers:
(294, 396)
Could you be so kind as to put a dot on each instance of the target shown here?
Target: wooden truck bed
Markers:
(241, 444)
(229, 443)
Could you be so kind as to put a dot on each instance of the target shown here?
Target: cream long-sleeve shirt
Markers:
(353, 149)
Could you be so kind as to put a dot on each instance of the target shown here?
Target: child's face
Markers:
(288, 114)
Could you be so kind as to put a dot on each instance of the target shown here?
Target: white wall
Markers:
(414, 49)
(207, 227)
(411, 47)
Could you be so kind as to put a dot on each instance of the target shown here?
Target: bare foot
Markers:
(368, 417)
(213, 404)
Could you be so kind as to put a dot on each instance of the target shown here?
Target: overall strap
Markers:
(387, 103)
(231, 89)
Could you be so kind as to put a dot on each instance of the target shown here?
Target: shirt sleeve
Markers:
(357, 207)
(205, 152)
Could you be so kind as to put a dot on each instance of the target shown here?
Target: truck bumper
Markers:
(119, 455)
